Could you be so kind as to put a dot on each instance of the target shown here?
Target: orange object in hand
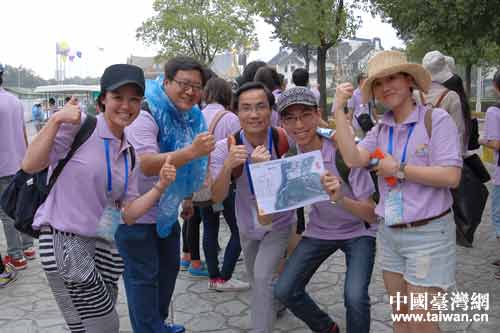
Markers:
(379, 154)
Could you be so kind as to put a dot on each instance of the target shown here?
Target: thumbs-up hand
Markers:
(70, 113)
(167, 173)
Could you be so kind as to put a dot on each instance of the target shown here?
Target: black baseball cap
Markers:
(118, 75)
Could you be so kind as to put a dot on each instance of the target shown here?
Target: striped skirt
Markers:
(83, 274)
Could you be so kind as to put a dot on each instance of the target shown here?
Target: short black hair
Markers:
(250, 70)
(254, 86)
(183, 63)
(300, 77)
(218, 90)
(496, 79)
(67, 99)
(52, 101)
(1, 78)
(269, 77)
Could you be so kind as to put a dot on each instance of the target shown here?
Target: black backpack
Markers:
(26, 192)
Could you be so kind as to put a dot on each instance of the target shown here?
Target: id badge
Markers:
(109, 222)
(393, 213)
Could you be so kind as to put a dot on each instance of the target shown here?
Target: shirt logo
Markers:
(422, 150)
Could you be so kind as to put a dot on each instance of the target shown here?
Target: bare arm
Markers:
(37, 154)
(354, 156)
(364, 209)
(435, 176)
(202, 145)
(220, 187)
(493, 144)
(140, 206)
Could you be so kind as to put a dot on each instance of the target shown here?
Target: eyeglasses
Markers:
(305, 118)
(258, 108)
(185, 85)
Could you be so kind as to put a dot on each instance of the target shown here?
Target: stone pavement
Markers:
(28, 306)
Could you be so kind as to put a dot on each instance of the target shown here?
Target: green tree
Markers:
(317, 23)
(468, 30)
(198, 28)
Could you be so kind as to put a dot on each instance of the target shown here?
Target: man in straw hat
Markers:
(421, 161)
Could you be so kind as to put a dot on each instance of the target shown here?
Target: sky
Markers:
(104, 32)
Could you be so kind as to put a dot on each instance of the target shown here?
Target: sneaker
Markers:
(199, 271)
(335, 328)
(497, 275)
(212, 283)
(30, 253)
(232, 285)
(496, 263)
(18, 264)
(184, 264)
(8, 276)
(173, 328)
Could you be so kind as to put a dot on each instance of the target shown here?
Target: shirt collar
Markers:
(105, 133)
(388, 118)
(213, 107)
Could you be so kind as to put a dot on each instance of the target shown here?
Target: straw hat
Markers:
(391, 62)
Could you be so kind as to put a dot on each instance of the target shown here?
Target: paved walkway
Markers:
(28, 305)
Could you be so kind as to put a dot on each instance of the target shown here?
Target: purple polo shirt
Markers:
(227, 125)
(79, 196)
(244, 198)
(356, 103)
(443, 149)
(12, 144)
(275, 117)
(493, 133)
(331, 222)
(143, 135)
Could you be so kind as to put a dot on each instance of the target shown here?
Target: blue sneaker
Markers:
(198, 272)
(184, 265)
(173, 328)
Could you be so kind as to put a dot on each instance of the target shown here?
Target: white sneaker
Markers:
(231, 285)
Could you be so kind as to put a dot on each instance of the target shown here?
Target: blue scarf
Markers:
(177, 130)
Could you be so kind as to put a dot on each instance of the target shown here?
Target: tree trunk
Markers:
(468, 79)
(307, 57)
(321, 70)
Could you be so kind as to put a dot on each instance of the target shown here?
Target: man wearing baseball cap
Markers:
(335, 224)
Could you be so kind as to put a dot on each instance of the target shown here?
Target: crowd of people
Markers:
(181, 146)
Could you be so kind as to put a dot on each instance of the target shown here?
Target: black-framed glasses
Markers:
(185, 85)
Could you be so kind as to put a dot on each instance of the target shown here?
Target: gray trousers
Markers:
(261, 260)
(16, 242)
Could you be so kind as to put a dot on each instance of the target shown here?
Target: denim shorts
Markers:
(424, 255)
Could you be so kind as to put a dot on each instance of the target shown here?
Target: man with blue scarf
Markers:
(172, 126)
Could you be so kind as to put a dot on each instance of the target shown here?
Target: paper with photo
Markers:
(289, 183)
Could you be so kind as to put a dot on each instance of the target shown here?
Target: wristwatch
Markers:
(401, 171)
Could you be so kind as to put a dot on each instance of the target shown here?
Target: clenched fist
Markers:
(203, 144)
(260, 154)
(333, 186)
(237, 156)
(343, 92)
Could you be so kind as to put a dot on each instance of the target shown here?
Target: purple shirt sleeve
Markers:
(143, 133)
(493, 124)
(228, 125)
(361, 183)
(217, 158)
(444, 144)
(63, 140)
(370, 141)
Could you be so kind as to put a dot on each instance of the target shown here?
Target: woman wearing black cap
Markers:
(96, 191)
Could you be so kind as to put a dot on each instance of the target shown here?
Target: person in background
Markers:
(270, 78)
(417, 236)
(8, 273)
(13, 143)
(362, 115)
(37, 116)
(492, 141)
(218, 95)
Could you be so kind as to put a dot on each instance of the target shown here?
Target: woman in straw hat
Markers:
(421, 163)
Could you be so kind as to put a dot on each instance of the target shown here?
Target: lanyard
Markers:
(411, 127)
(108, 169)
(247, 165)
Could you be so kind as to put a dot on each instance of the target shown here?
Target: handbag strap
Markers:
(83, 134)
(213, 124)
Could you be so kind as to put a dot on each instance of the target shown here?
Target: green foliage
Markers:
(468, 30)
(198, 28)
(318, 24)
